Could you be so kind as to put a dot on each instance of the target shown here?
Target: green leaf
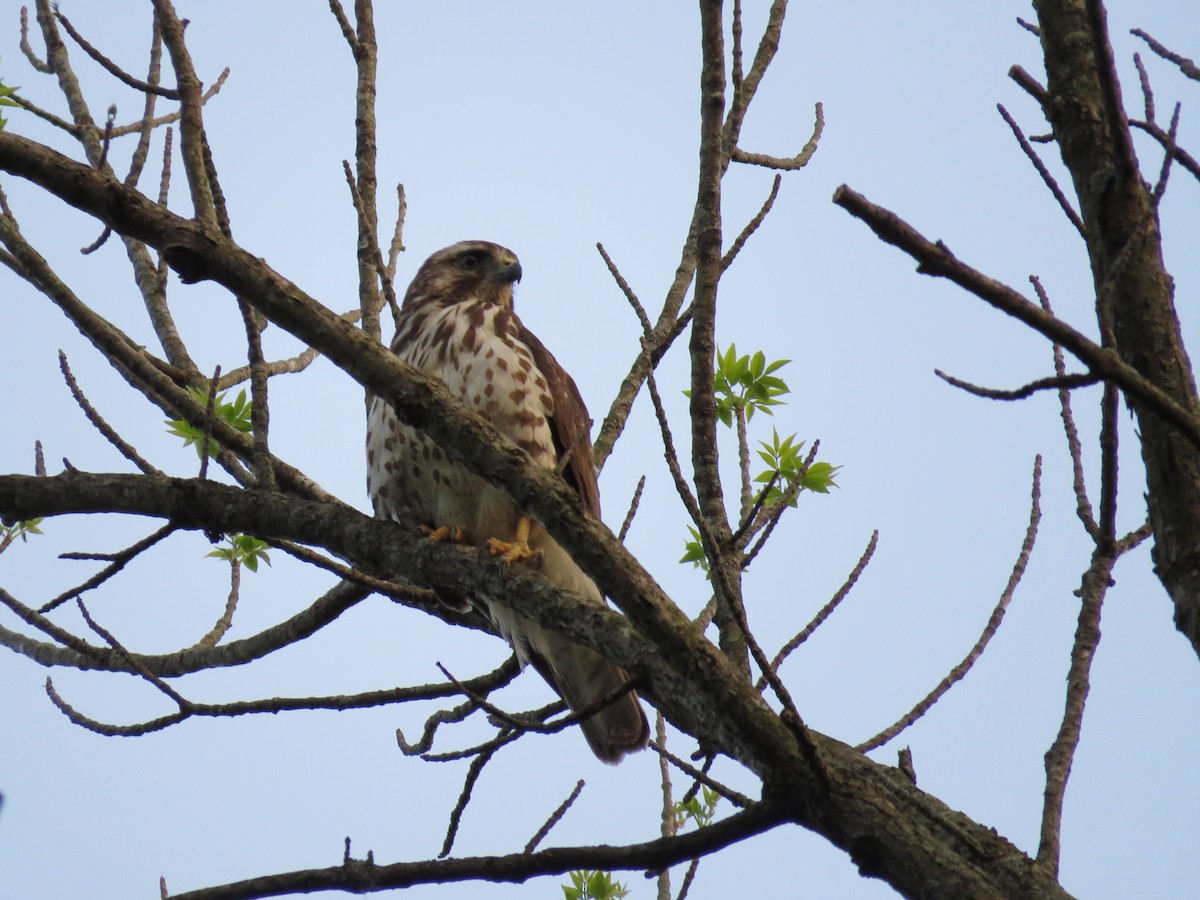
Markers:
(236, 414)
(693, 552)
(245, 550)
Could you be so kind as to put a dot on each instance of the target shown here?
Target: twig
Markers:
(749, 517)
(260, 413)
(376, 255)
(222, 625)
(672, 458)
(495, 679)
(109, 66)
(409, 594)
(1062, 382)
(936, 259)
(752, 226)
(741, 801)
(135, 127)
(522, 723)
(790, 163)
(1030, 85)
(125, 449)
(688, 877)
(634, 302)
(118, 562)
(27, 49)
(196, 161)
(825, 611)
(633, 508)
(555, 818)
(959, 671)
(773, 513)
(1186, 66)
(208, 420)
(1083, 506)
(1061, 753)
(1047, 178)
(473, 773)
(668, 824)
(131, 661)
(1180, 155)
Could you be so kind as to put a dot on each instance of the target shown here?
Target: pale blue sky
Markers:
(548, 127)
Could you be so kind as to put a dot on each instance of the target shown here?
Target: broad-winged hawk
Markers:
(457, 324)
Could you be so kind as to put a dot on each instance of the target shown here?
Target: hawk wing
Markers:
(570, 425)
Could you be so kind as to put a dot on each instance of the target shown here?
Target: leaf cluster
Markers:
(245, 550)
(588, 885)
(5, 95)
(746, 383)
(699, 808)
(22, 530)
(236, 414)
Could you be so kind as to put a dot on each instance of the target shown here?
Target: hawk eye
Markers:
(470, 261)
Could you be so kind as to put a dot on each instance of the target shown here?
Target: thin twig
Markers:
(1047, 178)
(222, 625)
(668, 824)
(109, 66)
(37, 63)
(790, 163)
(752, 226)
(124, 448)
(825, 611)
(633, 508)
(118, 562)
(741, 801)
(473, 773)
(1060, 383)
(1186, 66)
(1083, 506)
(522, 723)
(959, 671)
(210, 405)
(555, 818)
(131, 660)
(260, 413)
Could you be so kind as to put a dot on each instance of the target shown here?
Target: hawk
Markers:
(457, 324)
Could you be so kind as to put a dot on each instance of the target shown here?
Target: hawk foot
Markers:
(515, 551)
(453, 535)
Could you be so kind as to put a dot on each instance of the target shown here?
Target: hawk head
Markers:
(478, 269)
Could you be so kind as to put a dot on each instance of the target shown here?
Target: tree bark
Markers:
(1134, 293)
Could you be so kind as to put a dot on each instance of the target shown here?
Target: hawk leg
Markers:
(453, 535)
(517, 550)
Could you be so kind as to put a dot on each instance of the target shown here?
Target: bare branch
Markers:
(1083, 505)
(555, 818)
(109, 66)
(118, 562)
(633, 507)
(786, 650)
(1062, 382)
(937, 260)
(1186, 66)
(125, 449)
(1047, 178)
(790, 163)
(959, 671)
(753, 225)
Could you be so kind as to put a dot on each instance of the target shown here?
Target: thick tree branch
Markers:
(1134, 291)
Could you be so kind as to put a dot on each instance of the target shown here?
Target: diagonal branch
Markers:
(937, 260)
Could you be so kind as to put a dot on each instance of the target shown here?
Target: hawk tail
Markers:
(583, 678)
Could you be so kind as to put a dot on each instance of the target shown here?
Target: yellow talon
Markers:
(517, 550)
(453, 535)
